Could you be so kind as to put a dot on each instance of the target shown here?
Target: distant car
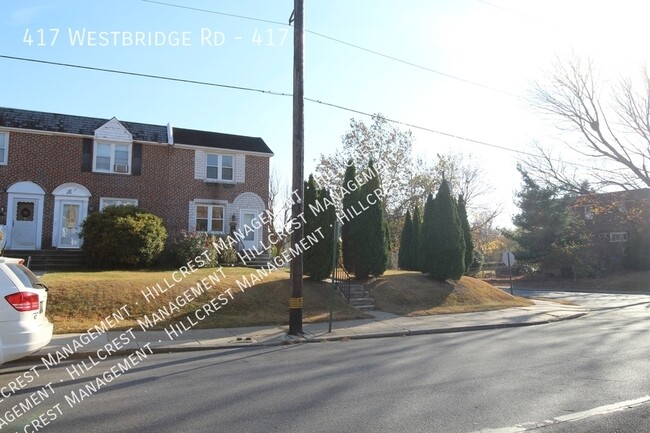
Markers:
(24, 329)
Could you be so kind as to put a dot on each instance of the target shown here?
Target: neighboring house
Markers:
(57, 168)
(613, 219)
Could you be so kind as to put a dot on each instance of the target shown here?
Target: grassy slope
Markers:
(80, 300)
(413, 294)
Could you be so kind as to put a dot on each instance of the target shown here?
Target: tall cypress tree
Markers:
(449, 253)
(405, 258)
(349, 225)
(388, 243)
(371, 237)
(427, 229)
(317, 261)
(467, 232)
(417, 224)
(546, 229)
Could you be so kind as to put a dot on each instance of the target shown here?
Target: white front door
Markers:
(70, 210)
(70, 225)
(25, 224)
(250, 238)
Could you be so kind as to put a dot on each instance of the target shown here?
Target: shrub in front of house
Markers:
(123, 237)
(228, 256)
(186, 246)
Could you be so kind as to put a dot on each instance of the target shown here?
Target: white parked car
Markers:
(24, 329)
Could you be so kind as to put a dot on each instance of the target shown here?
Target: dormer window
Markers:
(111, 157)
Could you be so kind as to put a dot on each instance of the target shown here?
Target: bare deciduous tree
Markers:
(612, 130)
(464, 175)
(389, 147)
(280, 211)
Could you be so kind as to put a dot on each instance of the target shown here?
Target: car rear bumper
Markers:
(19, 339)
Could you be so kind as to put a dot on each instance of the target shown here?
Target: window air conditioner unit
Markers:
(121, 168)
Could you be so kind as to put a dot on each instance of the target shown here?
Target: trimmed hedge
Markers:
(122, 237)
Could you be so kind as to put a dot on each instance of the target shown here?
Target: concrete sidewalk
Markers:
(381, 325)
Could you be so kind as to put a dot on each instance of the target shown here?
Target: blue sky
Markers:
(498, 44)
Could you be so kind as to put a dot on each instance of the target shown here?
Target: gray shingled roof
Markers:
(221, 141)
(65, 123)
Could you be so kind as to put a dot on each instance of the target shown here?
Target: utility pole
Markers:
(295, 302)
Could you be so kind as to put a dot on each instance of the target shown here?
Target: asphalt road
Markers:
(504, 380)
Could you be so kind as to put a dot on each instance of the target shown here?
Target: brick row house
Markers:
(614, 219)
(55, 169)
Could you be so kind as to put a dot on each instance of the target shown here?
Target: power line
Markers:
(340, 41)
(423, 128)
(214, 12)
(138, 74)
(270, 92)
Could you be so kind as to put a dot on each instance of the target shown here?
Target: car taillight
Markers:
(23, 301)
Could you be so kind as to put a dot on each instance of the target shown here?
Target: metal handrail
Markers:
(342, 280)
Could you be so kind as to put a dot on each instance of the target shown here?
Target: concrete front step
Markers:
(255, 260)
(355, 302)
(46, 260)
(360, 298)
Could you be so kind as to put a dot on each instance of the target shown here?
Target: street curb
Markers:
(408, 333)
(320, 339)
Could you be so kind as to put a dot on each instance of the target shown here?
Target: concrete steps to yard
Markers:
(360, 298)
(255, 260)
(49, 260)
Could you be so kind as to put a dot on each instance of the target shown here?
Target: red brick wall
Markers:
(165, 187)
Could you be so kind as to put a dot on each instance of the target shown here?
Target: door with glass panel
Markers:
(70, 220)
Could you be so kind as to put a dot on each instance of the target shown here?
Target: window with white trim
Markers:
(4, 147)
(209, 218)
(220, 167)
(618, 237)
(112, 157)
(110, 201)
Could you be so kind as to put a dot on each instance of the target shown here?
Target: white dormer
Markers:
(113, 130)
(113, 148)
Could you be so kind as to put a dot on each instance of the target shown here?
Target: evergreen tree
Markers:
(449, 252)
(349, 225)
(467, 233)
(317, 261)
(372, 246)
(417, 224)
(547, 230)
(406, 243)
(426, 246)
(388, 243)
